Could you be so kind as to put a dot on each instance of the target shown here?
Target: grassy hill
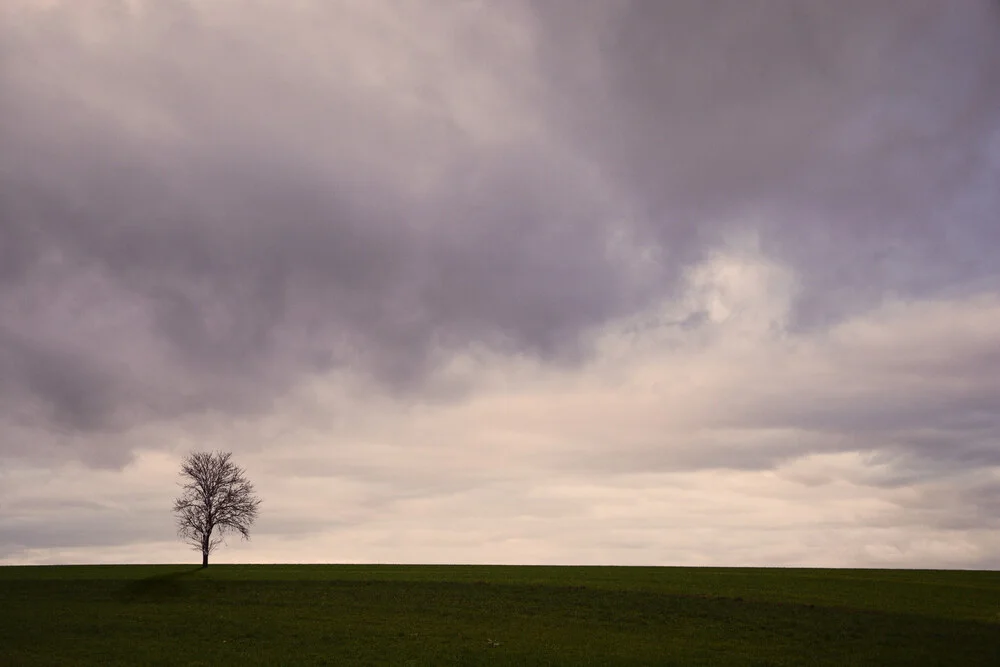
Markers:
(486, 615)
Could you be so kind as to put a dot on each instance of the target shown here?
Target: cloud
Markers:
(509, 256)
(858, 131)
(734, 440)
(236, 213)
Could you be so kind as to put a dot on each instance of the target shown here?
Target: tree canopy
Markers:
(217, 500)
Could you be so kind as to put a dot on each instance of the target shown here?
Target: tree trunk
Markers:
(204, 559)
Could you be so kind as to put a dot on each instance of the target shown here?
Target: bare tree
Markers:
(217, 499)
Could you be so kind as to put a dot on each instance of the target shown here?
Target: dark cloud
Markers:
(259, 221)
(854, 135)
(203, 205)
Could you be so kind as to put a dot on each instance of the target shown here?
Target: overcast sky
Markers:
(551, 281)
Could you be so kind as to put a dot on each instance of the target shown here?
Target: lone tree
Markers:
(217, 499)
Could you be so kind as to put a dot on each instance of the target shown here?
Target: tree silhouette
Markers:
(218, 499)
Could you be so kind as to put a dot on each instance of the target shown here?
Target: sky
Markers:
(534, 281)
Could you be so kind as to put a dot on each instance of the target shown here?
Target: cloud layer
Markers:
(526, 279)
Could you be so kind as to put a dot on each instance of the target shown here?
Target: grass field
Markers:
(485, 615)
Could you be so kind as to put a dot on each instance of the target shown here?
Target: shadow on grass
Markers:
(170, 585)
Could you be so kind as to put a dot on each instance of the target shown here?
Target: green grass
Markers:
(486, 615)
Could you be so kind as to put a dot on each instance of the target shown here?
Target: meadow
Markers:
(495, 615)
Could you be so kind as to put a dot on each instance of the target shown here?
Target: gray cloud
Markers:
(265, 210)
(260, 217)
(205, 208)
(856, 134)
